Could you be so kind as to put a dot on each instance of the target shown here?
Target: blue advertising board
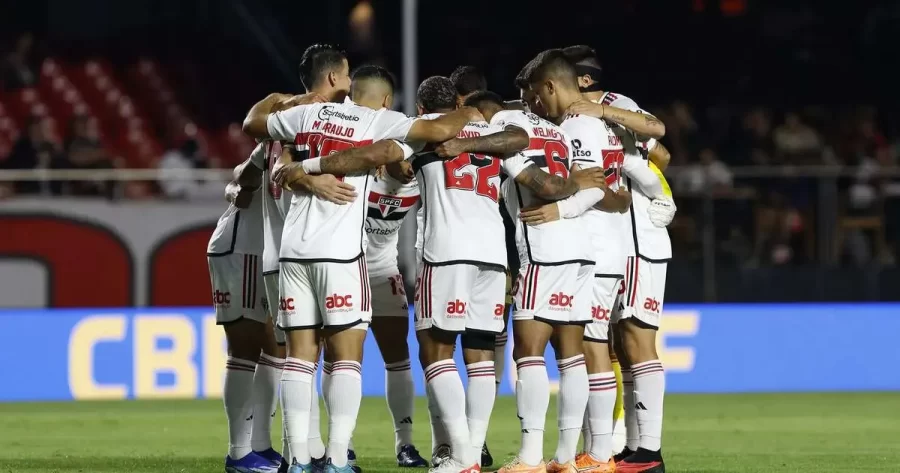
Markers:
(180, 352)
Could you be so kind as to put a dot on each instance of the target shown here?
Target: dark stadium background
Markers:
(701, 65)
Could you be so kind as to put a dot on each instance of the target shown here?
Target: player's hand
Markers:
(538, 215)
(624, 197)
(450, 148)
(661, 212)
(283, 175)
(586, 107)
(237, 195)
(401, 171)
(327, 187)
(589, 177)
(296, 100)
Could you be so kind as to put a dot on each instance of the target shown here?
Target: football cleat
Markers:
(351, 460)
(440, 455)
(298, 468)
(250, 463)
(409, 458)
(284, 467)
(585, 463)
(557, 467)
(518, 466)
(486, 458)
(642, 461)
(319, 463)
(625, 453)
(331, 468)
(272, 456)
(452, 466)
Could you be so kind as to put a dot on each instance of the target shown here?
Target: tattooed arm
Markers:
(643, 124)
(499, 144)
(552, 187)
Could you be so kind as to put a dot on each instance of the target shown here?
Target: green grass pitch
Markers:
(704, 433)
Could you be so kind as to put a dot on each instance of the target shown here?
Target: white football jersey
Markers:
(240, 230)
(314, 229)
(561, 241)
(389, 202)
(461, 223)
(276, 202)
(594, 144)
(642, 237)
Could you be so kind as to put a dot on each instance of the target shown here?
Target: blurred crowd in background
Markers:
(756, 166)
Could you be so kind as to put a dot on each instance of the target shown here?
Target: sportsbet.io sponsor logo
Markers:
(577, 151)
(329, 111)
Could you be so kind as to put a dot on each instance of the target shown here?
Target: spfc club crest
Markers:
(388, 204)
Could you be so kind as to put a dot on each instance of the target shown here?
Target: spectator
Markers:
(84, 151)
(797, 142)
(708, 173)
(17, 71)
(34, 150)
(177, 162)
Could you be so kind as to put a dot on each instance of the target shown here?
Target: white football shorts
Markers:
(645, 290)
(555, 294)
(324, 294)
(460, 297)
(236, 280)
(604, 291)
(389, 296)
(271, 304)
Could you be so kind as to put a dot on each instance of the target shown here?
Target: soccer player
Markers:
(388, 203)
(233, 255)
(467, 80)
(323, 276)
(320, 69)
(552, 78)
(647, 244)
(554, 284)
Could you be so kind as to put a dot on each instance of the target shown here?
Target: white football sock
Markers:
(649, 391)
(573, 398)
(326, 382)
(316, 446)
(632, 432)
(438, 432)
(343, 398)
(265, 399)
(237, 396)
(586, 429)
(450, 398)
(400, 397)
(480, 395)
(500, 359)
(532, 401)
(600, 412)
(296, 381)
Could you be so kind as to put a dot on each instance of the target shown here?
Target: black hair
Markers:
(522, 78)
(552, 64)
(371, 71)
(317, 61)
(485, 96)
(582, 54)
(468, 79)
(436, 93)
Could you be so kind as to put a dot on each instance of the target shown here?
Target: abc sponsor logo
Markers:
(286, 305)
(339, 303)
(221, 299)
(560, 301)
(456, 309)
(652, 305)
(599, 313)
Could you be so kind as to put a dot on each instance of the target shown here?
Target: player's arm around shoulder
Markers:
(288, 174)
(509, 140)
(278, 116)
(442, 128)
(643, 124)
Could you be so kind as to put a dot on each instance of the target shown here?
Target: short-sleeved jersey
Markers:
(644, 238)
(276, 203)
(241, 230)
(594, 144)
(314, 229)
(558, 242)
(461, 223)
(389, 202)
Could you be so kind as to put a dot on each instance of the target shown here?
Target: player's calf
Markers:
(639, 341)
(573, 389)
(390, 334)
(478, 354)
(245, 338)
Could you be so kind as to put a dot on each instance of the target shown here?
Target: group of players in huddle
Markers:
(555, 204)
